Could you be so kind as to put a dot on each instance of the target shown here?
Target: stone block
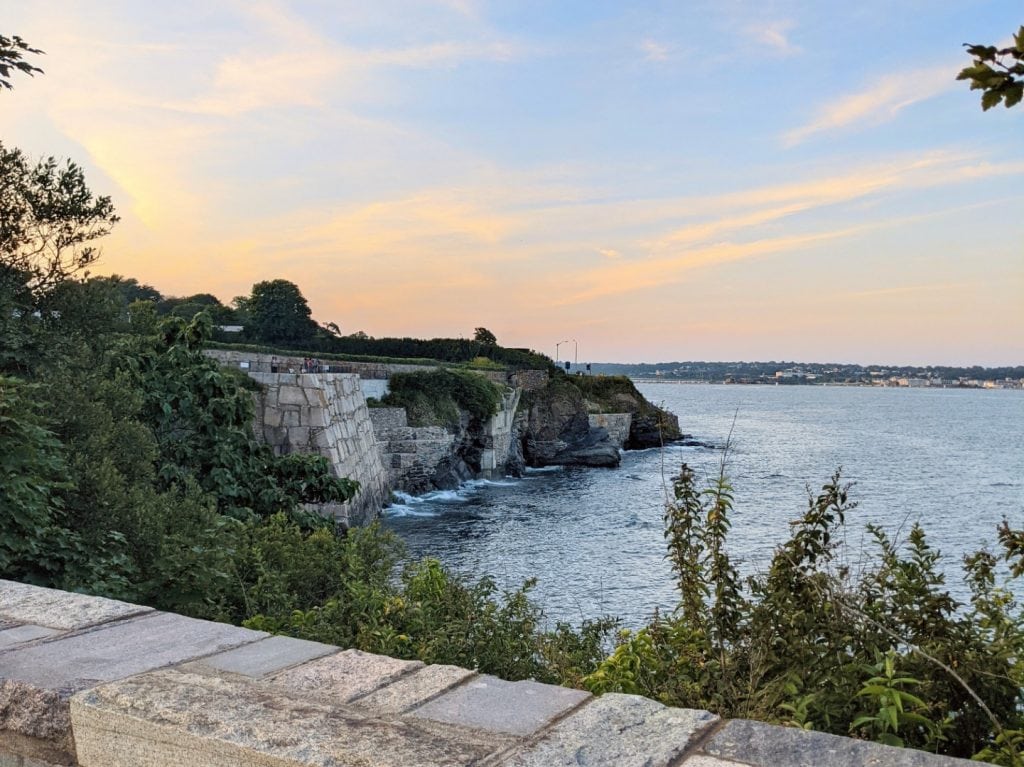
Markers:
(290, 418)
(620, 730)
(267, 656)
(765, 745)
(491, 704)
(345, 676)
(36, 680)
(22, 603)
(271, 417)
(413, 689)
(292, 395)
(175, 717)
(26, 633)
(298, 437)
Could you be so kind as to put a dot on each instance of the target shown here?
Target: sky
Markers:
(653, 181)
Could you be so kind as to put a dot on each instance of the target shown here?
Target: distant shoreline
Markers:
(992, 385)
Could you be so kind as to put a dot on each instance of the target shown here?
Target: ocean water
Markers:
(951, 459)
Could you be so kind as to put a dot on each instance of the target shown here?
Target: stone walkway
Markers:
(101, 683)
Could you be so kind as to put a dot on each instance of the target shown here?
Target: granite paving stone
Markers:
(617, 731)
(22, 603)
(763, 745)
(24, 633)
(268, 656)
(703, 760)
(344, 676)
(176, 717)
(492, 704)
(413, 689)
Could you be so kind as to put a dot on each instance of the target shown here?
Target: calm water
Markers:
(951, 459)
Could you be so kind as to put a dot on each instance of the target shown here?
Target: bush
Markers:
(884, 653)
(435, 398)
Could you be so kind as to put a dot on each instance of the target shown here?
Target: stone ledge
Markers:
(21, 603)
(154, 689)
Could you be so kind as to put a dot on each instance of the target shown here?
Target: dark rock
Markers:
(652, 427)
(451, 472)
(603, 455)
(556, 431)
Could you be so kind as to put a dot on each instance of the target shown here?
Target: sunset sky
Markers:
(658, 181)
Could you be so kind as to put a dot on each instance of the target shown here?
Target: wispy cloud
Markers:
(877, 103)
(902, 290)
(774, 36)
(652, 50)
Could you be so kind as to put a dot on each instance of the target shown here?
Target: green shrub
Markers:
(881, 652)
(435, 398)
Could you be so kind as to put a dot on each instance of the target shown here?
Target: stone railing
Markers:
(101, 683)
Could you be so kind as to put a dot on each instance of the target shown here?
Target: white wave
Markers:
(400, 510)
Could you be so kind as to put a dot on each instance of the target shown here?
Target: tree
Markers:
(48, 219)
(278, 313)
(485, 337)
(12, 50)
(999, 72)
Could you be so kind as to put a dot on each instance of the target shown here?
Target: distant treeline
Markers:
(823, 372)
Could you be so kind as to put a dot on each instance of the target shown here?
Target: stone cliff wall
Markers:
(423, 458)
(325, 413)
(412, 454)
(92, 682)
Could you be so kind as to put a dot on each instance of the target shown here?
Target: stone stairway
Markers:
(101, 683)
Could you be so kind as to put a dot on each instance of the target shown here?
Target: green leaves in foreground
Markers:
(999, 72)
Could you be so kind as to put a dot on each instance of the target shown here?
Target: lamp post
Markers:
(575, 353)
(556, 348)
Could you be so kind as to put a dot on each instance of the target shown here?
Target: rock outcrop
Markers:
(555, 430)
(651, 426)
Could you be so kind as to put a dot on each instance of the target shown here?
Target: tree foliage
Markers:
(997, 72)
(50, 219)
(485, 337)
(277, 313)
(12, 59)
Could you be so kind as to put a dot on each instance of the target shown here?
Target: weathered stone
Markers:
(703, 760)
(291, 395)
(344, 676)
(26, 633)
(19, 751)
(619, 730)
(617, 426)
(22, 603)
(173, 718)
(492, 704)
(268, 656)
(413, 689)
(763, 745)
(36, 680)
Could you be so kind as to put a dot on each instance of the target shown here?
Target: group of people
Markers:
(309, 365)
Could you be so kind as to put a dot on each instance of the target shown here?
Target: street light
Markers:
(575, 353)
(556, 348)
